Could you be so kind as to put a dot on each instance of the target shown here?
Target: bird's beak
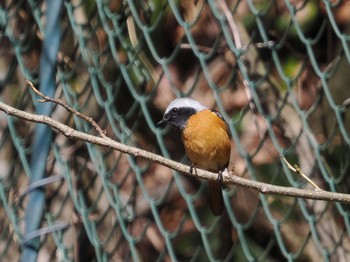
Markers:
(162, 122)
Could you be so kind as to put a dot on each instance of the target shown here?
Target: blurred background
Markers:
(278, 71)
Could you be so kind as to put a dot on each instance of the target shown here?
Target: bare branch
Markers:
(90, 120)
(228, 177)
(297, 170)
(231, 23)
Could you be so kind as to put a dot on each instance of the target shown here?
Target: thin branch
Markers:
(297, 170)
(90, 120)
(228, 177)
(199, 47)
(232, 24)
(346, 103)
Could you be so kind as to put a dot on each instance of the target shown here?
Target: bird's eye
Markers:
(174, 110)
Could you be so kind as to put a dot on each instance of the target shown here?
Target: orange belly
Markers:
(206, 141)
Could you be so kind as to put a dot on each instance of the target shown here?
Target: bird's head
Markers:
(179, 111)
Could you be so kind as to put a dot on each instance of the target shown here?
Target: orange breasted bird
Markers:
(206, 139)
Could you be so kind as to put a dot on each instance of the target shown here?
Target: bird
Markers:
(206, 139)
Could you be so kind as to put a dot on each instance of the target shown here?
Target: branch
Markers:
(228, 177)
(297, 170)
(90, 120)
(232, 24)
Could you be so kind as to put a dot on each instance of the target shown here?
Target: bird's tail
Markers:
(216, 199)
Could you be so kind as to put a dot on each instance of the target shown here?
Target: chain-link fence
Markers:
(278, 71)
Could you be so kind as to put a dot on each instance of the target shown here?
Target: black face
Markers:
(177, 117)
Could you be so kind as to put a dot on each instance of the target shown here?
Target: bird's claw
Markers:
(193, 167)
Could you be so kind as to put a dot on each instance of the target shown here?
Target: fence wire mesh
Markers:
(278, 71)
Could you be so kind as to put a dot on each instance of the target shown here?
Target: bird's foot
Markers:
(220, 178)
(193, 167)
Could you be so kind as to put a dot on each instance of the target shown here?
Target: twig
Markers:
(101, 132)
(228, 177)
(297, 170)
(199, 47)
(346, 103)
(232, 24)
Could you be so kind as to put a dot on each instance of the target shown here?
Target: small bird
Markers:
(206, 139)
